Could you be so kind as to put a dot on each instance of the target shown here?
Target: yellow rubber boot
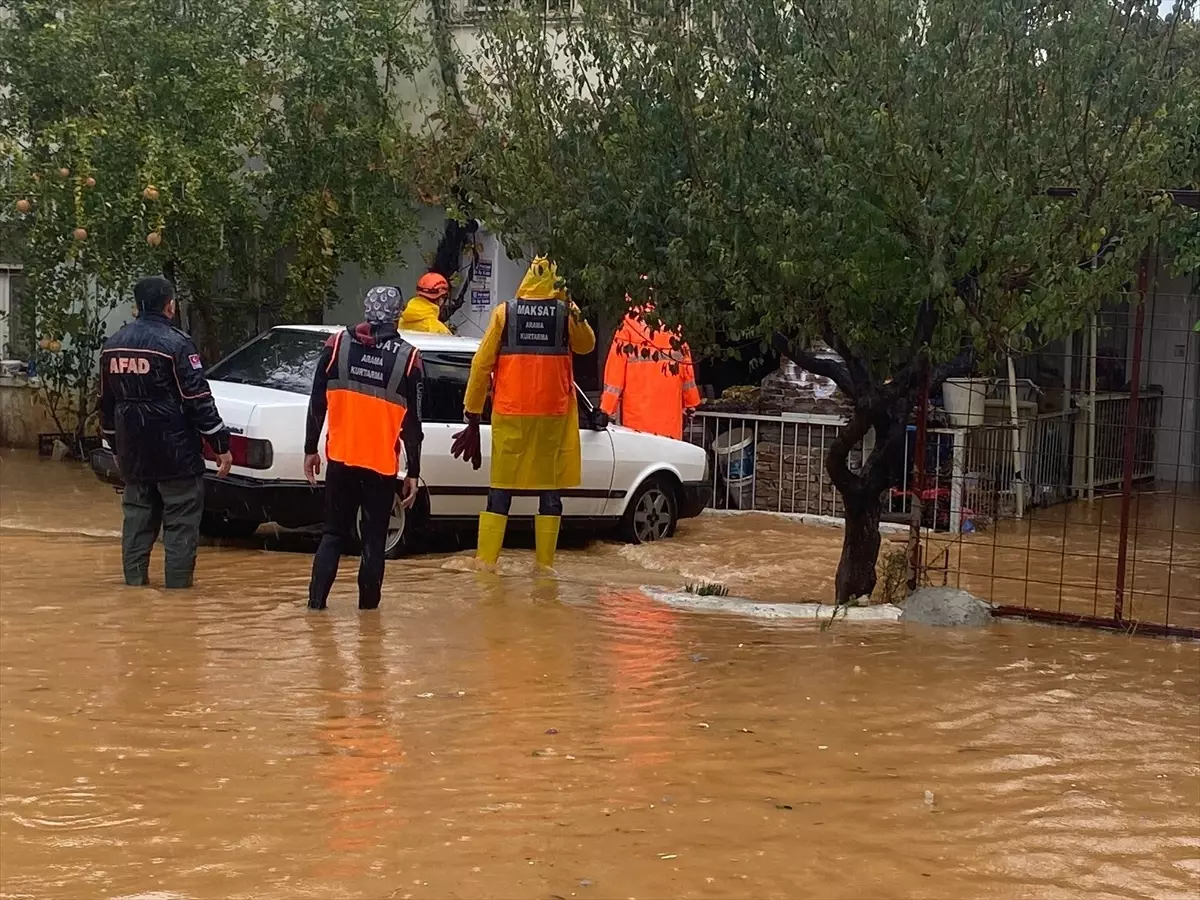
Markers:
(491, 539)
(545, 540)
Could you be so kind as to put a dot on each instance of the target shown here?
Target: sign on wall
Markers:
(483, 264)
(481, 284)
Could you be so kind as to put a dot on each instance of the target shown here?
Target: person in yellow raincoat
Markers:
(423, 312)
(526, 358)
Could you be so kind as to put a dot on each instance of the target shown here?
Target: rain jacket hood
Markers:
(541, 282)
(422, 315)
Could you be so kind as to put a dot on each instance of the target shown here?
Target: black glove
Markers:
(466, 444)
(600, 420)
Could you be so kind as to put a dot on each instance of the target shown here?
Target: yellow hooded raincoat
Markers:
(535, 414)
(421, 315)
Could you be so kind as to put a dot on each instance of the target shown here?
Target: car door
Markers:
(455, 489)
(591, 498)
(458, 491)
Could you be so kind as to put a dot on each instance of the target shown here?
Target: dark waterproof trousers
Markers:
(175, 507)
(349, 489)
(500, 502)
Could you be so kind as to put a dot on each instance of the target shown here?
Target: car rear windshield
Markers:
(282, 359)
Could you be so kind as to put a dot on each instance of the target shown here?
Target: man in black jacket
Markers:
(156, 411)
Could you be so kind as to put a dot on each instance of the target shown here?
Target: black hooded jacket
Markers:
(156, 408)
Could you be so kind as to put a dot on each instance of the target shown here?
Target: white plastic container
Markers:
(965, 400)
(735, 465)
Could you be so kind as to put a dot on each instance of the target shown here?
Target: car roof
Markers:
(422, 340)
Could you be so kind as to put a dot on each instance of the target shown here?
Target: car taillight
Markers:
(249, 453)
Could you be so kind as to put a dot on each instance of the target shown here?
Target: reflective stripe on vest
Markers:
(533, 371)
(367, 403)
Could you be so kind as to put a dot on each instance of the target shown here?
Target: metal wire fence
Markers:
(1084, 506)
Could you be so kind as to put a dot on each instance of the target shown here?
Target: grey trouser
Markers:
(175, 507)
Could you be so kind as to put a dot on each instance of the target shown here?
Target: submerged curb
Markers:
(806, 519)
(884, 612)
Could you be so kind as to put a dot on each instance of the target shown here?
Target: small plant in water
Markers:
(892, 584)
(707, 589)
(837, 608)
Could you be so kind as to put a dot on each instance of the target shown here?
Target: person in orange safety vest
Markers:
(653, 381)
(368, 384)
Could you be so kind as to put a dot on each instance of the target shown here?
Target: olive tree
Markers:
(874, 174)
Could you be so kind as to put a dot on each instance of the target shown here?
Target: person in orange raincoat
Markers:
(653, 381)
(526, 358)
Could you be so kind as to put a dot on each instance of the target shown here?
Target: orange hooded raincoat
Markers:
(652, 381)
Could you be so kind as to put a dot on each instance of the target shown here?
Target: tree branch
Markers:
(856, 367)
(848, 437)
(924, 327)
(826, 368)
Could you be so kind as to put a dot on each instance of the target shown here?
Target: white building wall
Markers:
(7, 303)
(419, 96)
(495, 280)
(1171, 361)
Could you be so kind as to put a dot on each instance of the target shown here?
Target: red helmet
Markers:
(433, 286)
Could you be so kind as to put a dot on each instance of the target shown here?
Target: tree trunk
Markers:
(195, 312)
(204, 329)
(862, 491)
(860, 547)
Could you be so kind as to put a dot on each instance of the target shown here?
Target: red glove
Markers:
(466, 445)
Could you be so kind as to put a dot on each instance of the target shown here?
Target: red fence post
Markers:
(1131, 424)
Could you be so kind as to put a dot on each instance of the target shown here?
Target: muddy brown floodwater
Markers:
(502, 737)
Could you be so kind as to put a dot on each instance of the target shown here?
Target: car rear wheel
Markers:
(397, 538)
(652, 514)
(218, 526)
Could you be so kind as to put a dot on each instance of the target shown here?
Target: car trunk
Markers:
(266, 414)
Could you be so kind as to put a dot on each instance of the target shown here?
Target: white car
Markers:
(638, 484)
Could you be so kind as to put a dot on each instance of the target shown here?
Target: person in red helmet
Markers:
(424, 311)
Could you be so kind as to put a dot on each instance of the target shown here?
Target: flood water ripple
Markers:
(512, 737)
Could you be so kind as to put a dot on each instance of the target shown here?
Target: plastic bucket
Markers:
(738, 493)
(735, 455)
(964, 400)
(735, 465)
